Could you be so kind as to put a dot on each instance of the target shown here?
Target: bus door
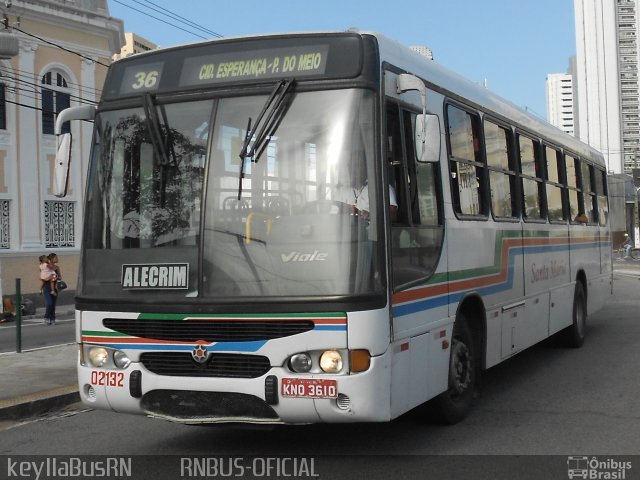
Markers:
(416, 227)
(419, 294)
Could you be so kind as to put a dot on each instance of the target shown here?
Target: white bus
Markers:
(322, 227)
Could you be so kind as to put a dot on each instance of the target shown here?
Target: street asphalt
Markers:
(37, 381)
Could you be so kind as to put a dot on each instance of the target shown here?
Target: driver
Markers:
(356, 194)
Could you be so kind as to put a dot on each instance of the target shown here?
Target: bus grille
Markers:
(230, 365)
(206, 407)
(208, 330)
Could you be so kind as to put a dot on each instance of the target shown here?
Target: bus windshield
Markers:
(174, 210)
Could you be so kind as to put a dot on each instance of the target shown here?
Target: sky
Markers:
(512, 44)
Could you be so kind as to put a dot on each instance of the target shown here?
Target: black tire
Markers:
(454, 405)
(635, 253)
(574, 335)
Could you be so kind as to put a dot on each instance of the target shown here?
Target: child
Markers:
(47, 274)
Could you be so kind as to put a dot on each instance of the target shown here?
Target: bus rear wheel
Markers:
(574, 335)
(454, 404)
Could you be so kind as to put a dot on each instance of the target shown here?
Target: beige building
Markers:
(65, 47)
(134, 44)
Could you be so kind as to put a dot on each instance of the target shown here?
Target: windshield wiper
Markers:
(264, 127)
(153, 124)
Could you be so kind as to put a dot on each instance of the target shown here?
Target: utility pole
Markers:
(9, 47)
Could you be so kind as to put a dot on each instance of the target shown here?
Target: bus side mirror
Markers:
(63, 154)
(427, 138)
(61, 169)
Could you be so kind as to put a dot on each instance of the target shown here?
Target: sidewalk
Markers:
(37, 381)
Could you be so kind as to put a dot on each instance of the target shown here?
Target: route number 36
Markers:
(146, 80)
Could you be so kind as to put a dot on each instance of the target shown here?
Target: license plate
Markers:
(309, 388)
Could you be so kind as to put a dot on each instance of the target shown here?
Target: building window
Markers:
(55, 98)
(59, 224)
(4, 224)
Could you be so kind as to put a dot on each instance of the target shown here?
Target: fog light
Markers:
(120, 359)
(300, 362)
(98, 356)
(331, 361)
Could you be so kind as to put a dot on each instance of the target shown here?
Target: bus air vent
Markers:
(229, 365)
(210, 330)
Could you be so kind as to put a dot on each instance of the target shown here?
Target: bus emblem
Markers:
(199, 353)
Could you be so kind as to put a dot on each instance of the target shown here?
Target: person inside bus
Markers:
(581, 218)
(357, 193)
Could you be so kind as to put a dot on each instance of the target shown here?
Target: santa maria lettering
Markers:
(544, 272)
(156, 276)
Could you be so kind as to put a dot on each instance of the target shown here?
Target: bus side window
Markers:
(555, 187)
(531, 176)
(416, 236)
(576, 197)
(601, 196)
(502, 170)
(466, 161)
(588, 192)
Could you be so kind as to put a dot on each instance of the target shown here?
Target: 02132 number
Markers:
(107, 378)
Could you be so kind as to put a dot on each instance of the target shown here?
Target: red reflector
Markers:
(404, 346)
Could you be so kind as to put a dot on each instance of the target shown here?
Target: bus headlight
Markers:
(120, 359)
(331, 361)
(98, 356)
(300, 362)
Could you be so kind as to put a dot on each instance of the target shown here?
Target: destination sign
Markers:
(219, 62)
(155, 276)
(255, 64)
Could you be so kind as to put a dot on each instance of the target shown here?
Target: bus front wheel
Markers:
(454, 404)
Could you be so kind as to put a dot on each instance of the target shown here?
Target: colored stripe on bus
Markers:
(490, 279)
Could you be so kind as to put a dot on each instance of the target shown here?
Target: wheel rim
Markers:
(460, 370)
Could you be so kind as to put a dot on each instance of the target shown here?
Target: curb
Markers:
(27, 406)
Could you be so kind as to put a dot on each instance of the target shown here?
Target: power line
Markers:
(31, 83)
(164, 21)
(31, 77)
(180, 18)
(28, 93)
(60, 46)
(32, 107)
(8, 74)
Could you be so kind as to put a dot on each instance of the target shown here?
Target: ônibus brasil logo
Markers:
(596, 469)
